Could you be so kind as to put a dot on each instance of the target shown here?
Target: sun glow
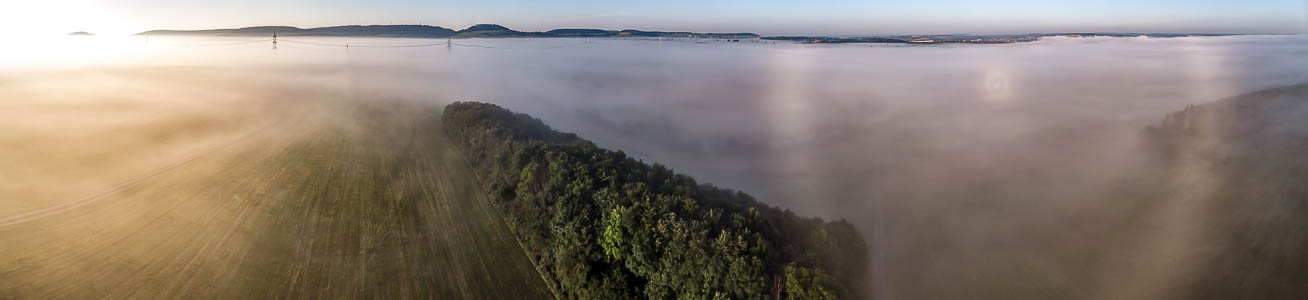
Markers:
(997, 86)
(58, 17)
(70, 51)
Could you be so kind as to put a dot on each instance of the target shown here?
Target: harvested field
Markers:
(316, 197)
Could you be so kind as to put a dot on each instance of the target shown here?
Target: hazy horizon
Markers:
(950, 158)
(766, 17)
(456, 28)
(343, 166)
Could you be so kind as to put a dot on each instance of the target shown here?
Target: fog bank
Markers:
(975, 171)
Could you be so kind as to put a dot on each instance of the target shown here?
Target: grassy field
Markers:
(335, 199)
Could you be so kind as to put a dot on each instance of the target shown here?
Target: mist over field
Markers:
(973, 171)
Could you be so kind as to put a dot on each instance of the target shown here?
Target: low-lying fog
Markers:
(974, 171)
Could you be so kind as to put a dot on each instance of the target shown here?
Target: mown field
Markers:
(317, 199)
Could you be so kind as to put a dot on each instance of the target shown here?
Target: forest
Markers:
(1249, 151)
(599, 224)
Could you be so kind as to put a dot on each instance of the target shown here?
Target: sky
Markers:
(769, 17)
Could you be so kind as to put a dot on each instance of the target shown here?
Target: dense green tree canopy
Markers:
(602, 225)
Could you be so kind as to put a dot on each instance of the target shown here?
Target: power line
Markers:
(362, 46)
(222, 44)
(473, 46)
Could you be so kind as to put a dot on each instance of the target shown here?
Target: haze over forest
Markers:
(988, 171)
(686, 150)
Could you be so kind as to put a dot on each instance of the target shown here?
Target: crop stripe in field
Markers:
(44, 212)
(500, 217)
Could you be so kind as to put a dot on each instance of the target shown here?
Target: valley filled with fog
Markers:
(973, 171)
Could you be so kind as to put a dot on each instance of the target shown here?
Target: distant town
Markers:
(962, 39)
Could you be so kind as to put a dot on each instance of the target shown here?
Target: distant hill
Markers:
(632, 32)
(498, 31)
(81, 33)
(581, 32)
(834, 40)
(495, 31)
(425, 31)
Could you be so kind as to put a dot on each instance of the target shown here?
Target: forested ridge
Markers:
(599, 224)
(1251, 148)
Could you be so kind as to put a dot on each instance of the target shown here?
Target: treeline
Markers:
(602, 225)
(1251, 151)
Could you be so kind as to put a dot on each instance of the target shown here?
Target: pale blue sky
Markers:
(773, 17)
